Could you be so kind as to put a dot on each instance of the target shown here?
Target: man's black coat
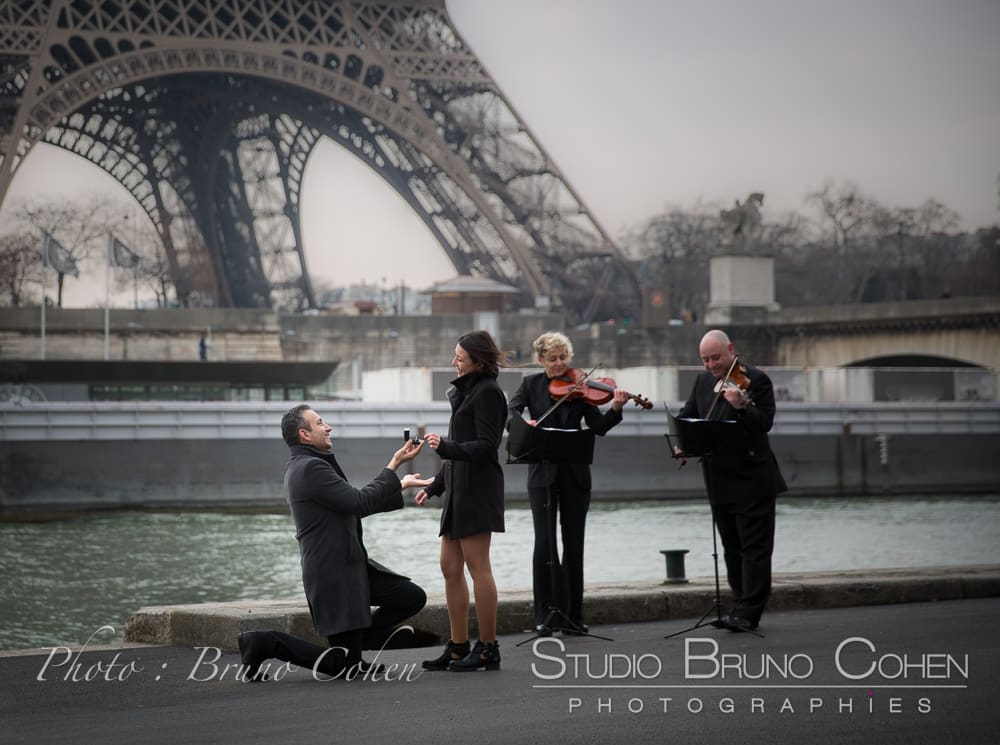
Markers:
(327, 512)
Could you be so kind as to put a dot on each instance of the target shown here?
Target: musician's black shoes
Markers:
(484, 656)
(739, 623)
(452, 653)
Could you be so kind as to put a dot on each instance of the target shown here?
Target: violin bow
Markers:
(567, 394)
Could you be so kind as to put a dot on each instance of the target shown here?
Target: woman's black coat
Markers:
(471, 478)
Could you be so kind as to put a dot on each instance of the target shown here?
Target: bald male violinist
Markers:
(741, 486)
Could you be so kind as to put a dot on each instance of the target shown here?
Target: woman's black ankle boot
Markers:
(452, 652)
(484, 656)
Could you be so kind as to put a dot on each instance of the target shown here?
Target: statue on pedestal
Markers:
(743, 224)
(741, 270)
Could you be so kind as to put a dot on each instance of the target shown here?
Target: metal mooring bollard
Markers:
(675, 566)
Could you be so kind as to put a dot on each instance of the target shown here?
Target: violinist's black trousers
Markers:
(747, 533)
(571, 503)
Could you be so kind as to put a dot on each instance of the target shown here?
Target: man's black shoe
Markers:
(252, 654)
(739, 624)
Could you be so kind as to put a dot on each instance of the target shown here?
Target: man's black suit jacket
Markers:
(751, 473)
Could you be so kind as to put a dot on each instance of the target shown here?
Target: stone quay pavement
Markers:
(218, 624)
(919, 673)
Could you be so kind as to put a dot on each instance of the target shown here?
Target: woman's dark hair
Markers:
(292, 422)
(483, 351)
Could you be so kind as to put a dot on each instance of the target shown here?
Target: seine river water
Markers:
(64, 579)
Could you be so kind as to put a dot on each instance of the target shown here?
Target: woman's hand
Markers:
(433, 440)
(421, 497)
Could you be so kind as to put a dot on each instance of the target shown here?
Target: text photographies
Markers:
(750, 682)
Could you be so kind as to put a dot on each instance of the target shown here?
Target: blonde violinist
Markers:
(560, 487)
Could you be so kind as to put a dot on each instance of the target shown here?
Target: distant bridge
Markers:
(907, 334)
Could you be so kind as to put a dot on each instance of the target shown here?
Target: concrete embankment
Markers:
(145, 455)
(217, 624)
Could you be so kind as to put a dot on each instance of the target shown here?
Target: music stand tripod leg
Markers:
(719, 622)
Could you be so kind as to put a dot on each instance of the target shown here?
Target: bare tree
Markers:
(79, 228)
(925, 249)
(854, 250)
(797, 267)
(674, 250)
(979, 271)
(847, 220)
(151, 270)
(20, 267)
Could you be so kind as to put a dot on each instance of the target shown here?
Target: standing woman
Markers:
(568, 484)
(471, 481)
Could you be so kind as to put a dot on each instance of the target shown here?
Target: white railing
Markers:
(79, 421)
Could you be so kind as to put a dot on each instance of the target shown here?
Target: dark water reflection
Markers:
(62, 580)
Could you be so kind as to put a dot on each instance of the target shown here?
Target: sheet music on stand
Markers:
(527, 444)
(700, 437)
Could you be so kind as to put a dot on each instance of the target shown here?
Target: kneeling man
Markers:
(341, 582)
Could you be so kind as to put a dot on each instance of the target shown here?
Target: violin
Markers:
(575, 383)
(736, 379)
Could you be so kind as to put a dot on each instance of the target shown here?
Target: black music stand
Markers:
(527, 444)
(702, 438)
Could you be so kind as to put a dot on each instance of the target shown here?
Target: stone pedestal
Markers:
(741, 289)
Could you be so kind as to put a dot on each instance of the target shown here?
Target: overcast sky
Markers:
(646, 104)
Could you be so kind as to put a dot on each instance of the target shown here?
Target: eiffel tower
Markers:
(206, 111)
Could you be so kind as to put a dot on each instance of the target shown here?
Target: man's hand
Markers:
(677, 453)
(413, 479)
(406, 453)
(736, 397)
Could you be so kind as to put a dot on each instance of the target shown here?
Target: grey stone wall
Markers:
(38, 476)
(233, 334)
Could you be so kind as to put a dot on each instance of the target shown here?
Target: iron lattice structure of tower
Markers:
(206, 111)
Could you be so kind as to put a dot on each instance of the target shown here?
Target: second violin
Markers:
(575, 383)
